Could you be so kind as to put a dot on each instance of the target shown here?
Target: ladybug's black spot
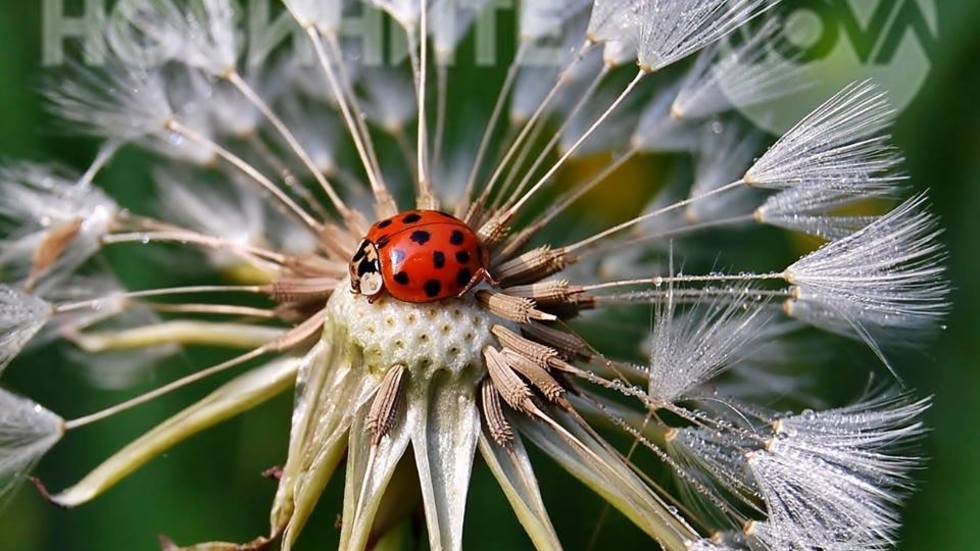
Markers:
(412, 218)
(398, 256)
(462, 257)
(456, 238)
(464, 276)
(432, 288)
(439, 259)
(384, 223)
(402, 278)
(421, 237)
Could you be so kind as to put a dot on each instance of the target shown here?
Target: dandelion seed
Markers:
(21, 317)
(841, 144)
(57, 221)
(692, 347)
(27, 432)
(831, 480)
(742, 77)
(669, 32)
(884, 281)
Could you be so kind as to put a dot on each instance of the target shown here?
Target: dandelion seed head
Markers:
(290, 175)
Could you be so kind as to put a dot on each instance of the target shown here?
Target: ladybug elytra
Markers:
(418, 256)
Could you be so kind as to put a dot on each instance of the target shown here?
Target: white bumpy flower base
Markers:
(450, 335)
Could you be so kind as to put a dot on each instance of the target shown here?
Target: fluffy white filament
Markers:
(670, 31)
(21, 316)
(843, 143)
(39, 204)
(27, 432)
(125, 103)
(832, 480)
(884, 281)
(741, 77)
(203, 35)
(694, 346)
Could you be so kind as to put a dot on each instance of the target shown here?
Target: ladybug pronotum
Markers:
(418, 256)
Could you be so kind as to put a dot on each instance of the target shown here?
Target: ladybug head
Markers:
(365, 270)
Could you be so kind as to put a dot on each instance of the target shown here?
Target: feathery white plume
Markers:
(56, 221)
(406, 12)
(694, 346)
(670, 30)
(541, 18)
(201, 34)
(27, 432)
(615, 20)
(813, 210)
(832, 480)
(22, 315)
(449, 21)
(741, 77)
(658, 132)
(707, 545)
(389, 98)
(725, 149)
(883, 282)
(125, 103)
(842, 143)
(325, 15)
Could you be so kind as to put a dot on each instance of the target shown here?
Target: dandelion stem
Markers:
(664, 280)
(176, 126)
(262, 150)
(671, 233)
(287, 340)
(217, 309)
(530, 124)
(381, 195)
(106, 153)
(236, 79)
(195, 238)
(422, 150)
(355, 105)
(568, 119)
(150, 293)
(659, 212)
(498, 110)
(152, 395)
(572, 150)
(442, 99)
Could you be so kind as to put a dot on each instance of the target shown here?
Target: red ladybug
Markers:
(419, 256)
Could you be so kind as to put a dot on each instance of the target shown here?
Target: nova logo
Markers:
(841, 41)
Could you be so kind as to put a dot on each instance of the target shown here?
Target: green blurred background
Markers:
(210, 488)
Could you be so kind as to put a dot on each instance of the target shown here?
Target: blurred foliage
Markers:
(210, 488)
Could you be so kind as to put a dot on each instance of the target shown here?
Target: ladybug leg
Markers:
(489, 278)
(479, 277)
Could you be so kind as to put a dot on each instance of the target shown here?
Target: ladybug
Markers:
(419, 256)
